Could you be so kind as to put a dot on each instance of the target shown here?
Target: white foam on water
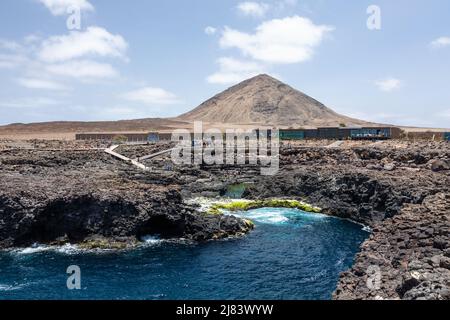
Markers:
(268, 216)
(151, 240)
(73, 249)
(33, 249)
(278, 215)
(277, 219)
(272, 216)
(69, 249)
(66, 249)
(340, 260)
(7, 287)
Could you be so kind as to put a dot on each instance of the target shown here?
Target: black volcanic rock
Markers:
(49, 196)
(410, 253)
(87, 196)
(440, 165)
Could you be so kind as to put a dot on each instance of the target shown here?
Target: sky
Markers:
(381, 60)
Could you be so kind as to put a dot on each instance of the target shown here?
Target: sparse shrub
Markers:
(119, 139)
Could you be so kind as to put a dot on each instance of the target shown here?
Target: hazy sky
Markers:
(144, 58)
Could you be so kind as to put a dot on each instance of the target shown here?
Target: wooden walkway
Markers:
(336, 144)
(154, 155)
(376, 144)
(111, 151)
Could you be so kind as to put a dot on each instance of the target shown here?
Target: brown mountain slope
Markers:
(96, 126)
(65, 130)
(265, 100)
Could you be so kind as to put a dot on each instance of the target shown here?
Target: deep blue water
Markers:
(290, 255)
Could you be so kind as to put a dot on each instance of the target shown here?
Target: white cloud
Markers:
(34, 83)
(33, 102)
(441, 42)
(388, 84)
(32, 38)
(233, 71)
(254, 9)
(289, 2)
(70, 56)
(151, 96)
(83, 69)
(12, 54)
(94, 41)
(60, 7)
(10, 61)
(9, 45)
(283, 41)
(210, 30)
(7, 64)
(63, 56)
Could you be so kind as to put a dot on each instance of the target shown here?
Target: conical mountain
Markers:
(266, 100)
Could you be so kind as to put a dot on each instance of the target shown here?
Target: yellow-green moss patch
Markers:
(105, 244)
(245, 205)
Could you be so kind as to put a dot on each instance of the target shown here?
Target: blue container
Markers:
(153, 137)
(292, 134)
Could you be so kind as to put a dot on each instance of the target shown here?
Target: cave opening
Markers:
(162, 227)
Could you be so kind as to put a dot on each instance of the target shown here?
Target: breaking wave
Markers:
(279, 215)
(67, 249)
(7, 287)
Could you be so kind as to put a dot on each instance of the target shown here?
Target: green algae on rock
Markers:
(103, 243)
(245, 205)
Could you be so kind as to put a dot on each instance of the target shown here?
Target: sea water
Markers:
(290, 254)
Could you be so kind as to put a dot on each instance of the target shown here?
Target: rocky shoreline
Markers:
(406, 257)
(58, 197)
(59, 193)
